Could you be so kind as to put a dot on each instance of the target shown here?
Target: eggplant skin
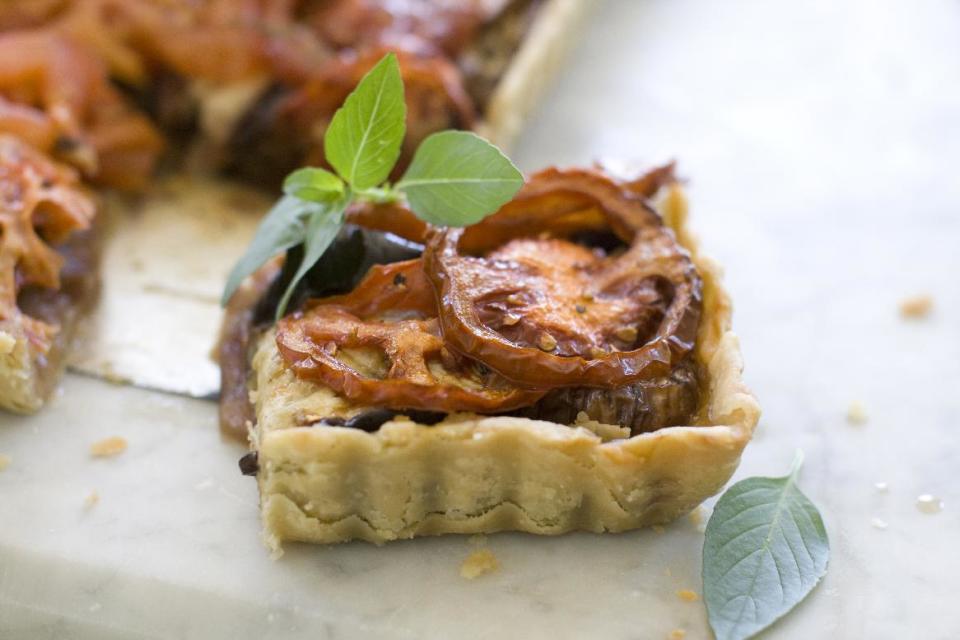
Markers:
(642, 406)
(267, 143)
(342, 266)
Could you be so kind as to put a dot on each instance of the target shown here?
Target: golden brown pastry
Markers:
(610, 399)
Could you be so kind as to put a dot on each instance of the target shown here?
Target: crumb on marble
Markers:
(929, 504)
(4, 461)
(478, 563)
(688, 595)
(857, 413)
(668, 572)
(678, 634)
(92, 499)
(916, 307)
(659, 529)
(111, 375)
(107, 447)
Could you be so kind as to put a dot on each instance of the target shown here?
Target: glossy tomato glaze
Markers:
(540, 313)
(381, 345)
(618, 317)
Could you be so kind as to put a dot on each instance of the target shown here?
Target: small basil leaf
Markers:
(765, 549)
(363, 140)
(311, 183)
(322, 228)
(283, 227)
(457, 178)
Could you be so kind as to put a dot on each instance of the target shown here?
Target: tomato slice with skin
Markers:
(381, 345)
(544, 311)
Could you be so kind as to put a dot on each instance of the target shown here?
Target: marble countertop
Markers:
(821, 141)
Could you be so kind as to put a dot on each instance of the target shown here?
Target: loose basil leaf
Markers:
(311, 183)
(363, 140)
(457, 178)
(283, 227)
(322, 228)
(766, 548)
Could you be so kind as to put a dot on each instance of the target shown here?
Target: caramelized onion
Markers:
(543, 311)
(381, 345)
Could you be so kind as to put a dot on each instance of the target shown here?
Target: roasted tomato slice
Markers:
(519, 293)
(380, 344)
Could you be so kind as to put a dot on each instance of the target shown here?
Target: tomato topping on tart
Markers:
(381, 344)
(573, 298)
(518, 293)
(41, 203)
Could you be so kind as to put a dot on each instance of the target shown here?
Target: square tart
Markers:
(479, 474)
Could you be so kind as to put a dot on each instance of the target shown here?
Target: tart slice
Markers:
(565, 364)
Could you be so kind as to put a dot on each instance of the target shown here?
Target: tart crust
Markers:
(30, 370)
(477, 474)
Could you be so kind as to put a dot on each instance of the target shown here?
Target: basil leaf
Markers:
(363, 140)
(311, 183)
(457, 178)
(766, 548)
(324, 224)
(283, 227)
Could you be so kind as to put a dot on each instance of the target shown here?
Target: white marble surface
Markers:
(822, 143)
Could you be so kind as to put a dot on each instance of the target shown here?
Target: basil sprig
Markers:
(765, 549)
(456, 178)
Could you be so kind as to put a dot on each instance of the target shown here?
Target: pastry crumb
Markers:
(4, 461)
(92, 499)
(478, 563)
(667, 572)
(857, 413)
(111, 375)
(927, 503)
(606, 432)
(678, 634)
(659, 529)
(916, 307)
(108, 447)
(688, 595)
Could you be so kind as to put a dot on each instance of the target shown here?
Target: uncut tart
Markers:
(566, 364)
